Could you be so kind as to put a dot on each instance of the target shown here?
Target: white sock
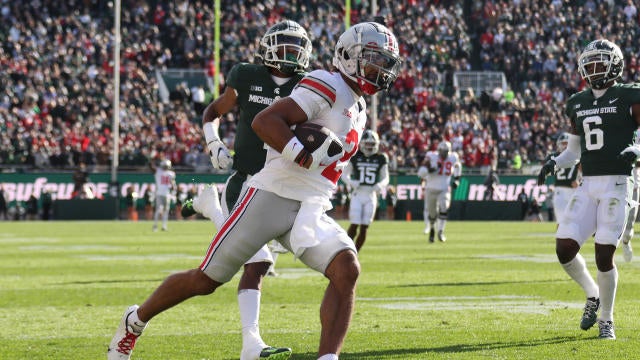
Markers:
(156, 216)
(577, 269)
(249, 304)
(328, 357)
(441, 224)
(165, 219)
(608, 282)
(135, 323)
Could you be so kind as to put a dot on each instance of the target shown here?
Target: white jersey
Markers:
(444, 169)
(164, 181)
(327, 100)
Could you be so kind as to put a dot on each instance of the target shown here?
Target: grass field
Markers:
(493, 291)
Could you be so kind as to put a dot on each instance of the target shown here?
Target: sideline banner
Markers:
(20, 186)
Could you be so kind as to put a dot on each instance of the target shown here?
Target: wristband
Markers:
(294, 151)
(210, 133)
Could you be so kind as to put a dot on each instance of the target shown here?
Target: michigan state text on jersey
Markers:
(256, 90)
(605, 127)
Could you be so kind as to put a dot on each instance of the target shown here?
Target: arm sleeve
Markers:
(571, 155)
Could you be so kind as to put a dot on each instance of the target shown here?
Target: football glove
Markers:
(455, 184)
(221, 158)
(548, 168)
(630, 154)
(320, 156)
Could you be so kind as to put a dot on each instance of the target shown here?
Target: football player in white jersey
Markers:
(165, 186)
(366, 174)
(439, 167)
(285, 49)
(287, 199)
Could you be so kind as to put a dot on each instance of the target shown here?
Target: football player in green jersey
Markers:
(285, 50)
(603, 119)
(633, 213)
(367, 174)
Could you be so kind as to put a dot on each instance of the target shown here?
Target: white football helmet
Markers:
(368, 54)
(285, 47)
(165, 164)
(370, 143)
(444, 148)
(562, 142)
(600, 63)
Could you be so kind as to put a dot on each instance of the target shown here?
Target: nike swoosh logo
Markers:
(620, 184)
(612, 101)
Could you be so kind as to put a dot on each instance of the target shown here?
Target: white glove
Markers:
(320, 156)
(630, 154)
(220, 156)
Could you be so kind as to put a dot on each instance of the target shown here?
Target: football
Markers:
(313, 135)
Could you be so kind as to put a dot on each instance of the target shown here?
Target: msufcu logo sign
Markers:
(472, 189)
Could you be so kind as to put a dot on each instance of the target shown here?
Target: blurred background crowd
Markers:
(56, 85)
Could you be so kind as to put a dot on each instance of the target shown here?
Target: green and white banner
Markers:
(20, 186)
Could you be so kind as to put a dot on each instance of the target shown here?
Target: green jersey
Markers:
(366, 169)
(605, 127)
(256, 90)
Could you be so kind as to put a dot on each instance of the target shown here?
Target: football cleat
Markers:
(427, 229)
(432, 235)
(187, 209)
(590, 315)
(124, 340)
(607, 330)
(208, 202)
(627, 251)
(265, 352)
(441, 236)
(273, 353)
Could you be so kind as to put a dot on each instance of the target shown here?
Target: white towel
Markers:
(308, 228)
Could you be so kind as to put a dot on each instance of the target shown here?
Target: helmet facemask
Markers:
(286, 48)
(377, 70)
(368, 54)
(370, 143)
(600, 63)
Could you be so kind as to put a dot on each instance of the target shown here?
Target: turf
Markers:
(493, 291)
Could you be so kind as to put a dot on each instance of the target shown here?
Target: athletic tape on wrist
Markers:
(210, 133)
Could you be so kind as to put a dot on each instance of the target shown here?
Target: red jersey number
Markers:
(330, 171)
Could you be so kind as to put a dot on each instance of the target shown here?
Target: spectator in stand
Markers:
(51, 103)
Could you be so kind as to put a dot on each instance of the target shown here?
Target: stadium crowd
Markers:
(57, 66)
